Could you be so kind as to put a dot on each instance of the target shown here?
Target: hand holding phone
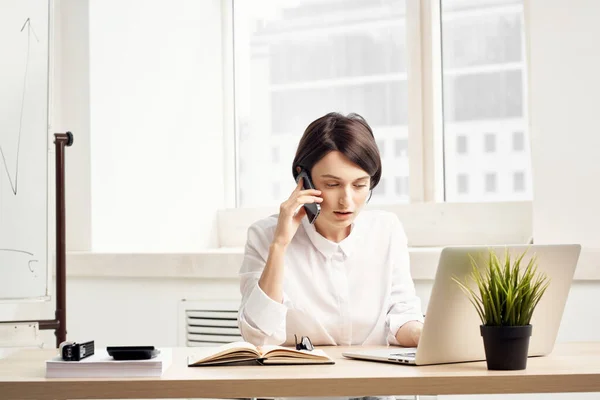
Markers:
(303, 201)
(312, 209)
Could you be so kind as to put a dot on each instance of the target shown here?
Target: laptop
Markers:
(451, 330)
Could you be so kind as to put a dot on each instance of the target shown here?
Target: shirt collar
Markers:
(326, 246)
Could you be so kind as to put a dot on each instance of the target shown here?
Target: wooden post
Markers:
(60, 141)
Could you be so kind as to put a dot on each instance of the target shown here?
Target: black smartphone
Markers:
(312, 209)
(132, 352)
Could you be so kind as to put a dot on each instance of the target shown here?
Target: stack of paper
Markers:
(101, 365)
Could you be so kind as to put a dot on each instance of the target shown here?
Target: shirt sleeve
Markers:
(261, 319)
(404, 305)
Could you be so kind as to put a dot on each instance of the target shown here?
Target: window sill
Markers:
(224, 263)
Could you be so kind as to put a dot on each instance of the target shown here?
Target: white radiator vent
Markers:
(210, 323)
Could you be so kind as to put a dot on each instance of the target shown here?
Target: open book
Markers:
(244, 352)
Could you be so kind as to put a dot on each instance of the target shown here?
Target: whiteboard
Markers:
(24, 49)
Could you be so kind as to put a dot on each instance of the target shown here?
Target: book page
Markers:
(263, 350)
(290, 352)
(235, 350)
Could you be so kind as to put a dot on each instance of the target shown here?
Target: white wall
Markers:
(140, 85)
(136, 311)
(564, 65)
(564, 85)
(71, 112)
(129, 310)
(156, 98)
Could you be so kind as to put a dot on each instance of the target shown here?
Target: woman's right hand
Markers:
(291, 213)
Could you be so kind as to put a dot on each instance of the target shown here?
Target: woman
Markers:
(344, 280)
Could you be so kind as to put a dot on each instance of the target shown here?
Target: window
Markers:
(483, 75)
(462, 183)
(518, 141)
(490, 143)
(519, 181)
(294, 62)
(501, 99)
(297, 61)
(402, 185)
(461, 144)
(156, 118)
(381, 147)
(490, 182)
(380, 190)
(401, 148)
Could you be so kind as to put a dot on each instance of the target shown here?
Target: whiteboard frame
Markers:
(49, 168)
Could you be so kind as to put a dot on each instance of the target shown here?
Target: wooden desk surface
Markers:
(573, 367)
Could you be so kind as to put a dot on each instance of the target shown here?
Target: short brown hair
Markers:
(350, 135)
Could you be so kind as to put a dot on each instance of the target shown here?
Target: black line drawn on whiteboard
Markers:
(29, 262)
(14, 185)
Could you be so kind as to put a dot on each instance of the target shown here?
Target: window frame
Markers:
(427, 208)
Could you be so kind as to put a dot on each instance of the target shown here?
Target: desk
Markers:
(573, 367)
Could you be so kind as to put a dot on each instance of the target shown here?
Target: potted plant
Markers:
(505, 296)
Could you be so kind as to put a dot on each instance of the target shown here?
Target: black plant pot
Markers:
(506, 346)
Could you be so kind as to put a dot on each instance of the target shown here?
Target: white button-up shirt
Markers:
(356, 292)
